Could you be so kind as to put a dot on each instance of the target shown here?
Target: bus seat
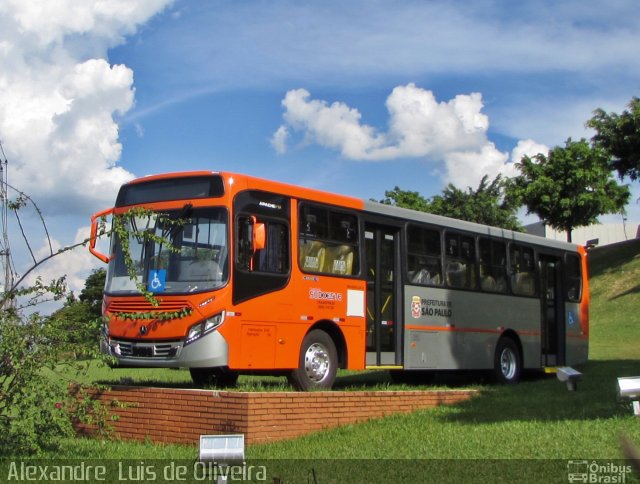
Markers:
(456, 274)
(488, 283)
(312, 255)
(421, 276)
(340, 260)
(523, 284)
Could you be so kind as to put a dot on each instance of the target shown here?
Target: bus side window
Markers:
(493, 270)
(328, 241)
(573, 278)
(460, 261)
(424, 256)
(343, 255)
(523, 281)
(244, 251)
(273, 258)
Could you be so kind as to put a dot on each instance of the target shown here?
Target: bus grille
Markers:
(144, 306)
(145, 350)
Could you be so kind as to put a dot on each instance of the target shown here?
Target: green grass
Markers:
(537, 419)
(615, 301)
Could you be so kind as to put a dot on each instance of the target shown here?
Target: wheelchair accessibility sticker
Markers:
(156, 281)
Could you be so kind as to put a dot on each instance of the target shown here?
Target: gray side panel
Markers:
(577, 341)
(447, 329)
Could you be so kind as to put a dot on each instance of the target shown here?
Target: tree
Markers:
(488, 204)
(570, 187)
(80, 317)
(36, 408)
(406, 199)
(91, 295)
(619, 136)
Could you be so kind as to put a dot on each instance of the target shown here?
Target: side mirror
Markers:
(94, 235)
(258, 236)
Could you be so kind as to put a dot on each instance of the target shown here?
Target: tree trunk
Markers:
(569, 230)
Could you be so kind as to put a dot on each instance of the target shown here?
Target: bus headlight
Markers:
(202, 328)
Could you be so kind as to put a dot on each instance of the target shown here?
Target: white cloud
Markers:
(420, 126)
(334, 126)
(59, 97)
(466, 168)
(279, 139)
(453, 132)
(529, 148)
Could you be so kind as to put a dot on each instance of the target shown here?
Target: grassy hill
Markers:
(615, 301)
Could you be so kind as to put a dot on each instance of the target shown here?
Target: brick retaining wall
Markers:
(181, 416)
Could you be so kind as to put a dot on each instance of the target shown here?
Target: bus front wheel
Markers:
(508, 361)
(318, 363)
(220, 377)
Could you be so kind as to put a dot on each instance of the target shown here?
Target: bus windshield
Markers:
(197, 259)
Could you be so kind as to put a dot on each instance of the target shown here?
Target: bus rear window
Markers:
(166, 189)
(574, 278)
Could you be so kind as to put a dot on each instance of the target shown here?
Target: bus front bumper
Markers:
(209, 351)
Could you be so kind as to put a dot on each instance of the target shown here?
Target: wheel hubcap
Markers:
(316, 362)
(508, 363)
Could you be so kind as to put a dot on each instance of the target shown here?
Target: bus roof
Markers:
(429, 218)
(345, 201)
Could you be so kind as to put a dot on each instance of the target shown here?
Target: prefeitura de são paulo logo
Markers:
(416, 306)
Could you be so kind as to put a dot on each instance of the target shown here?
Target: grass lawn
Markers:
(537, 419)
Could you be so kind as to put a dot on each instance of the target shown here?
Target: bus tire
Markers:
(318, 362)
(507, 361)
(220, 376)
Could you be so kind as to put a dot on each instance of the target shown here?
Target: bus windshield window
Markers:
(180, 188)
(195, 260)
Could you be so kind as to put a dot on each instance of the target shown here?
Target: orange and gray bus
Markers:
(268, 277)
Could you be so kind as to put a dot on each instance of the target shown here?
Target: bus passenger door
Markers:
(552, 330)
(382, 261)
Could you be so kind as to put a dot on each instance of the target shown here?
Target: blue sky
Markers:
(354, 97)
(210, 79)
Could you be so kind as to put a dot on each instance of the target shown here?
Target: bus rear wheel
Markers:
(507, 362)
(318, 363)
(220, 376)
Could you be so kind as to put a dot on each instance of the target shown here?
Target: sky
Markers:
(354, 97)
